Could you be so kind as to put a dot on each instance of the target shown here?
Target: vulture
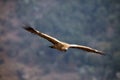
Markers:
(60, 45)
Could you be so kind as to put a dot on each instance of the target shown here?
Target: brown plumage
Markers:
(59, 45)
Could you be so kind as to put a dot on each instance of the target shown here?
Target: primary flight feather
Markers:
(59, 45)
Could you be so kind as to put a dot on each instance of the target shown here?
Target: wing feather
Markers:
(49, 38)
(85, 48)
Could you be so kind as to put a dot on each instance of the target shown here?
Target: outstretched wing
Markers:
(85, 48)
(49, 38)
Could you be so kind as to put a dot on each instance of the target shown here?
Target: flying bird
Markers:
(59, 45)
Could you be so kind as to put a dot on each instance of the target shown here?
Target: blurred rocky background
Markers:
(94, 23)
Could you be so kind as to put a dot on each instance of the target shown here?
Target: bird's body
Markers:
(62, 46)
(59, 45)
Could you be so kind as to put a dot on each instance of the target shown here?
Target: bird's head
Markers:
(52, 46)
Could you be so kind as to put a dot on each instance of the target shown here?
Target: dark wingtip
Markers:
(101, 53)
(27, 27)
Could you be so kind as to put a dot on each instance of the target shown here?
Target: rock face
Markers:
(12, 70)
